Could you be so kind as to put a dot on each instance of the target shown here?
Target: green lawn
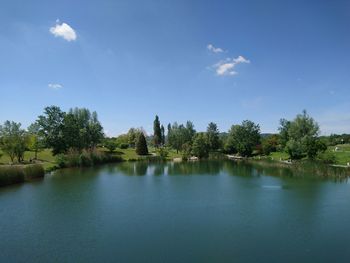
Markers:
(45, 157)
(130, 154)
(342, 156)
(127, 154)
(279, 156)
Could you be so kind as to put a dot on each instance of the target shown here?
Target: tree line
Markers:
(77, 130)
(80, 130)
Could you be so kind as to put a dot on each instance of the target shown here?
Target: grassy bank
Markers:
(45, 158)
(13, 174)
(341, 154)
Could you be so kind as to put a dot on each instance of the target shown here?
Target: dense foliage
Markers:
(243, 138)
(157, 135)
(213, 140)
(200, 148)
(299, 137)
(179, 135)
(13, 140)
(78, 129)
(141, 145)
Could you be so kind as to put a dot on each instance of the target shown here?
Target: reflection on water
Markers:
(239, 168)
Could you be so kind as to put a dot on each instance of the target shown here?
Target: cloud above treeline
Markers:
(227, 67)
(64, 31)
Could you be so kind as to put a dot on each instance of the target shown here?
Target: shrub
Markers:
(85, 159)
(141, 145)
(110, 144)
(61, 160)
(124, 146)
(12, 174)
(186, 151)
(327, 157)
(163, 152)
(33, 171)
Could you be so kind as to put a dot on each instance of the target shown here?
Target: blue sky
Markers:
(221, 61)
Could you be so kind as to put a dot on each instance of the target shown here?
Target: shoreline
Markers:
(298, 166)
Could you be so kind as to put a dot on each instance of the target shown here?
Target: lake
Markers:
(210, 211)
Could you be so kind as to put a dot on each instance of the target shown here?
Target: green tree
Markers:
(51, 127)
(186, 151)
(110, 144)
(157, 132)
(13, 140)
(163, 152)
(141, 145)
(200, 147)
(35, 140)
(163, 134)
(86, 128)
(303, 137)
(122, 141)
(76, 130)
(168, 134)
(178, 135)
(189, 132)
(133, 134)
(283, 135)
(213, 140)
(270, 144)
(244, 138)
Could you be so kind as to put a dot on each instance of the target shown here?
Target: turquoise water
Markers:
(182, 212)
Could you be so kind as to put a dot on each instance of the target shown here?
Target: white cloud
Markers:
(226, 67)
(240, 59)
(63, 30)
(214, 49)
(55, 86)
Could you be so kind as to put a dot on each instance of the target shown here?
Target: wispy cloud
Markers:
(63, 30)
(211, 48)
(227, 67)
(55, 86)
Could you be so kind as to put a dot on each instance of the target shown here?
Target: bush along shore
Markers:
(13, 174)
(85, 159)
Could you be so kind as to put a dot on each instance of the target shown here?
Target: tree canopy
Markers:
(244, 138)
(300, 137)
(13, 140)
(213, 140)
(78, 129)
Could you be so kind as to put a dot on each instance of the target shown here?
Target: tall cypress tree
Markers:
(157, 135)
(141, 145)
(163, 134)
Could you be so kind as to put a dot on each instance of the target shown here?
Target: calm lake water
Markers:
(175, 212)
